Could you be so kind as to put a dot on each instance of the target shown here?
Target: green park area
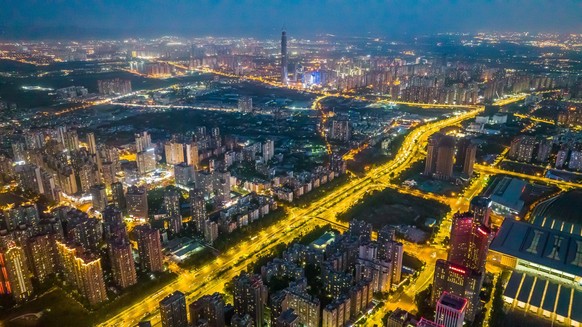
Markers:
(389, 207)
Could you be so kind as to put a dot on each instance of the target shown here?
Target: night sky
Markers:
(300, 17)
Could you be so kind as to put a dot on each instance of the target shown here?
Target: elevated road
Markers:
(213, 276)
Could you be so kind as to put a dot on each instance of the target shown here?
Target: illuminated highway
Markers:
(561, 184)
(212, 277)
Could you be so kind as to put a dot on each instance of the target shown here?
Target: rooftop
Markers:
(561, 212)
(453, 301)
(540, 245)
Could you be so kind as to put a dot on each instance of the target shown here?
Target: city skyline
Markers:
(295, 180)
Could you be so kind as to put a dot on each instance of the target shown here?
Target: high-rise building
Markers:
(469, 162)
(99, 197)
(113, 225)
(109, 171)
(440, 157)
(284, 63)
(85, 231)
(122, 264)
(173, 310)
(193, 155)
(250, 296)
(146, 161)
(174, 153)
(337, 313)
(42, 254)
(245, 104)
(149, 247)
(305, 306)
(210, 231)
(360, 229)
(71, 140)
(221, 186)
(431, 154)
(88, 176)
(399, 318)
(341, 130)
(143, 142)
(288, 318)
(445, 158)
(118, 195)
(522, 148)
(209, 308)
(114, 86)
(171, 202)
(18, 151)
(450, 310)
(174, 223)
(460, 281)
(198, 209)
(21, 215)
(83, 271)
(469, 242)
(394, 254)
(91, 143)
(481, 208)
(184, 174)
(29, 177)
(466, 152)
(268, 150)
(136, 200)
(14, 273)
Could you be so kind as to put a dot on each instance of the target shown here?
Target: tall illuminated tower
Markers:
(284, 64)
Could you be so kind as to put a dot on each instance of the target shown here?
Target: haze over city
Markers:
(291, 163)
(107, 18)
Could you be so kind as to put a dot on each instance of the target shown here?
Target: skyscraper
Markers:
(150, 248)
(250, 296)
(450, 310)
(445, 158)
(173, 310)
(469, 242)
(440, 157)
(465, 159)
(481, 208)
(457, 280)
(284, 63)
(469, 161)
